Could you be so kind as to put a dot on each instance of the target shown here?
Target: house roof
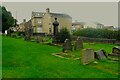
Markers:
(38, 14)
(78, 23)
(61, 15)
(97, 23)
(108, 27)
(41, 14)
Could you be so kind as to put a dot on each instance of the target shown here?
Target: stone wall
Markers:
(97, 40)
(47, 23)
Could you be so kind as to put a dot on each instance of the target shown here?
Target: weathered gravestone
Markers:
(67, 46)
(37, 38)
(101, 54)
(78, 44)
(87, 56)
(28, 33)
(115, 51)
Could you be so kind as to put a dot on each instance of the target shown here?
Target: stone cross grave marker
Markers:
(78, 44)
(55, 31)
(67, 46)
(87, 56)
(55, 24)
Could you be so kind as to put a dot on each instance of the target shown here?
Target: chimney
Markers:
(24, 20)
(47, 10)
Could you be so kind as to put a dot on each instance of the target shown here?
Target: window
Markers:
(39, 21)
(39, 30)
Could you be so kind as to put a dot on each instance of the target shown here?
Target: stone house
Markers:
(21, 26)
(109, 27)
(42, 21)
(78, 25)
(95, 25)
(82, 25)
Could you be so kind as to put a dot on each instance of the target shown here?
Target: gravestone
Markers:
(101, 54)
(67, 46)
(87, 56)
(37, 38)
(115, 51)
(78, 44)
(28, 33)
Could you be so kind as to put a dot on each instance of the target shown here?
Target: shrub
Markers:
(14, 35)
(98, 33)
(21, 34)
(63, 34)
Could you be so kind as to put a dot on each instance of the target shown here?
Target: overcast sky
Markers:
(103, 12)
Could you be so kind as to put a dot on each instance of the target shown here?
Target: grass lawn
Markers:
(21, 59)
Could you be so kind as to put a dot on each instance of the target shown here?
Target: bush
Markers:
(98, 33)
(21, 34)
(63, 34)
(14, 35)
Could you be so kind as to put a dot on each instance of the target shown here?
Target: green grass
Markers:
(31, 60)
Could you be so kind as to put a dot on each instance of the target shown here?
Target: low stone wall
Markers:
(97, 40)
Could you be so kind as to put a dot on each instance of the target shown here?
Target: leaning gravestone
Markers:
(101, 54)
(67, 46)
(115, 51)
(78, 44)
(87, 56)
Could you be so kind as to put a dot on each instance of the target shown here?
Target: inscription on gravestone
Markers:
(87, 56)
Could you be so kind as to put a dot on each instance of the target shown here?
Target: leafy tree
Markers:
(7, 19)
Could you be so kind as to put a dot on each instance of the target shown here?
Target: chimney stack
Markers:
(47, 10)
(24, 20)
